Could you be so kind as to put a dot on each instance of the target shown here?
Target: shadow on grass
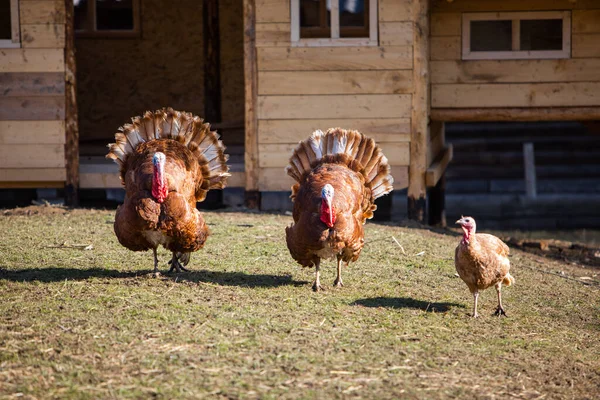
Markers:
(405, 302)
(54, 274)
(238, 279)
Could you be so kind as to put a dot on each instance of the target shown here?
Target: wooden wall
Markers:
(573, 82)
(32, 99)
(301, 89)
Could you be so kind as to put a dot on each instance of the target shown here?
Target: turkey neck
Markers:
(159, 184)
(327, 213)
(468, 235)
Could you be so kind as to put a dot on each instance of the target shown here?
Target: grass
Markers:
(94, 323)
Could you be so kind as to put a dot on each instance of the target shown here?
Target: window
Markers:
(511, 35)
(334, 22)
(9, 23)
(107, 18)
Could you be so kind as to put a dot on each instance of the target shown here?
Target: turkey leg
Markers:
(475, 296)
(156, 273)
(176, 265)
(338, 280)
(500, 310)
(317, 285)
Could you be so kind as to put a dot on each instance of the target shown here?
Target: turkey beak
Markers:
(460, 221)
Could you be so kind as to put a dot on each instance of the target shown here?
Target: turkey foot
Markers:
(500, 311)
(317, 287)
(176, 265)
(338, 282)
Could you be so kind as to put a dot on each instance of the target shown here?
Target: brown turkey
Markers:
(169, 161)
(339, 174)
(481, 261)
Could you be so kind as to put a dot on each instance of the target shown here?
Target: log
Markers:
(420, 113)
(71, 126)
(251, 102)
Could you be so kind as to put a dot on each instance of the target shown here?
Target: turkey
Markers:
(168, 161)
(339, 175)
(481, 261)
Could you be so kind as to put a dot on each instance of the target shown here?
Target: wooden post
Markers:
(436, 211)
(71, 125)
(212, 61)
(251, 101)
(530, 178)
(420, 112)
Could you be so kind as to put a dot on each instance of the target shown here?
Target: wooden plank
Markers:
(251, 102)
(395, 33)
(71, 118)
(293, 131)
(40, 36)
(32, 156)
(585, 45)
(278, 155)
(445, 48)
(32, 60)
(516, 114)
(32, 185)
(334, 58)
(99, 180)
(446, 24)
(272, 11)
(32, 175)
(515, 71)
(32, 132)
(586, 21)
(511, 5)
(436, 142)
(516, 95)
(211, 60)
(334, 82)
(394, 10)
(417, 189)
(237, 179)
(32, 108)
(276, 179)
(438, 167)
(273, 34)
(42, 12)
(334, 106)
(32, 84)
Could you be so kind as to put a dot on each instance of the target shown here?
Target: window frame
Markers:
(335, 40)
(516, 53)
(15, 40)
(114, 33)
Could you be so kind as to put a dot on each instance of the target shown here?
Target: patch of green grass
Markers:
(245, 324)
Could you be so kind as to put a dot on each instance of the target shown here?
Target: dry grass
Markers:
(93, 323)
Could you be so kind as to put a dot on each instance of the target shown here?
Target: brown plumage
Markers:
(481, 261)
(169, 161)
(339, 174)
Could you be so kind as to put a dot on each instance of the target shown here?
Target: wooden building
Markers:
(269, 72)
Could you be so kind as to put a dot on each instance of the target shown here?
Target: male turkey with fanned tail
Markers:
(339, 175)
(169, 161)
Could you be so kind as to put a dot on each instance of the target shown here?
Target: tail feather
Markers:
(184, 128)
(508, 280)
(351, 147)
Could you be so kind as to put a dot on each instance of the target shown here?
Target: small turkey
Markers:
(168, 161)
(339, 175)
(481, 261)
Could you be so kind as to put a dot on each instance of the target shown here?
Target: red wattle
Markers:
(327, 214)
(159, 187)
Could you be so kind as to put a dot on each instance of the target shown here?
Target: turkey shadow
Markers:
(238, 279)
(405, 302)
(55, 274)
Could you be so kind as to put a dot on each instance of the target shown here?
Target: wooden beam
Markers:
(420, 113)
(251, 102)
(438, 167)
(71, 126)
(516, 114)
(212, 61)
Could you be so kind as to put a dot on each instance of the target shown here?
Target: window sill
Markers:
(516, 55)
(327, 42)
(9, 44)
